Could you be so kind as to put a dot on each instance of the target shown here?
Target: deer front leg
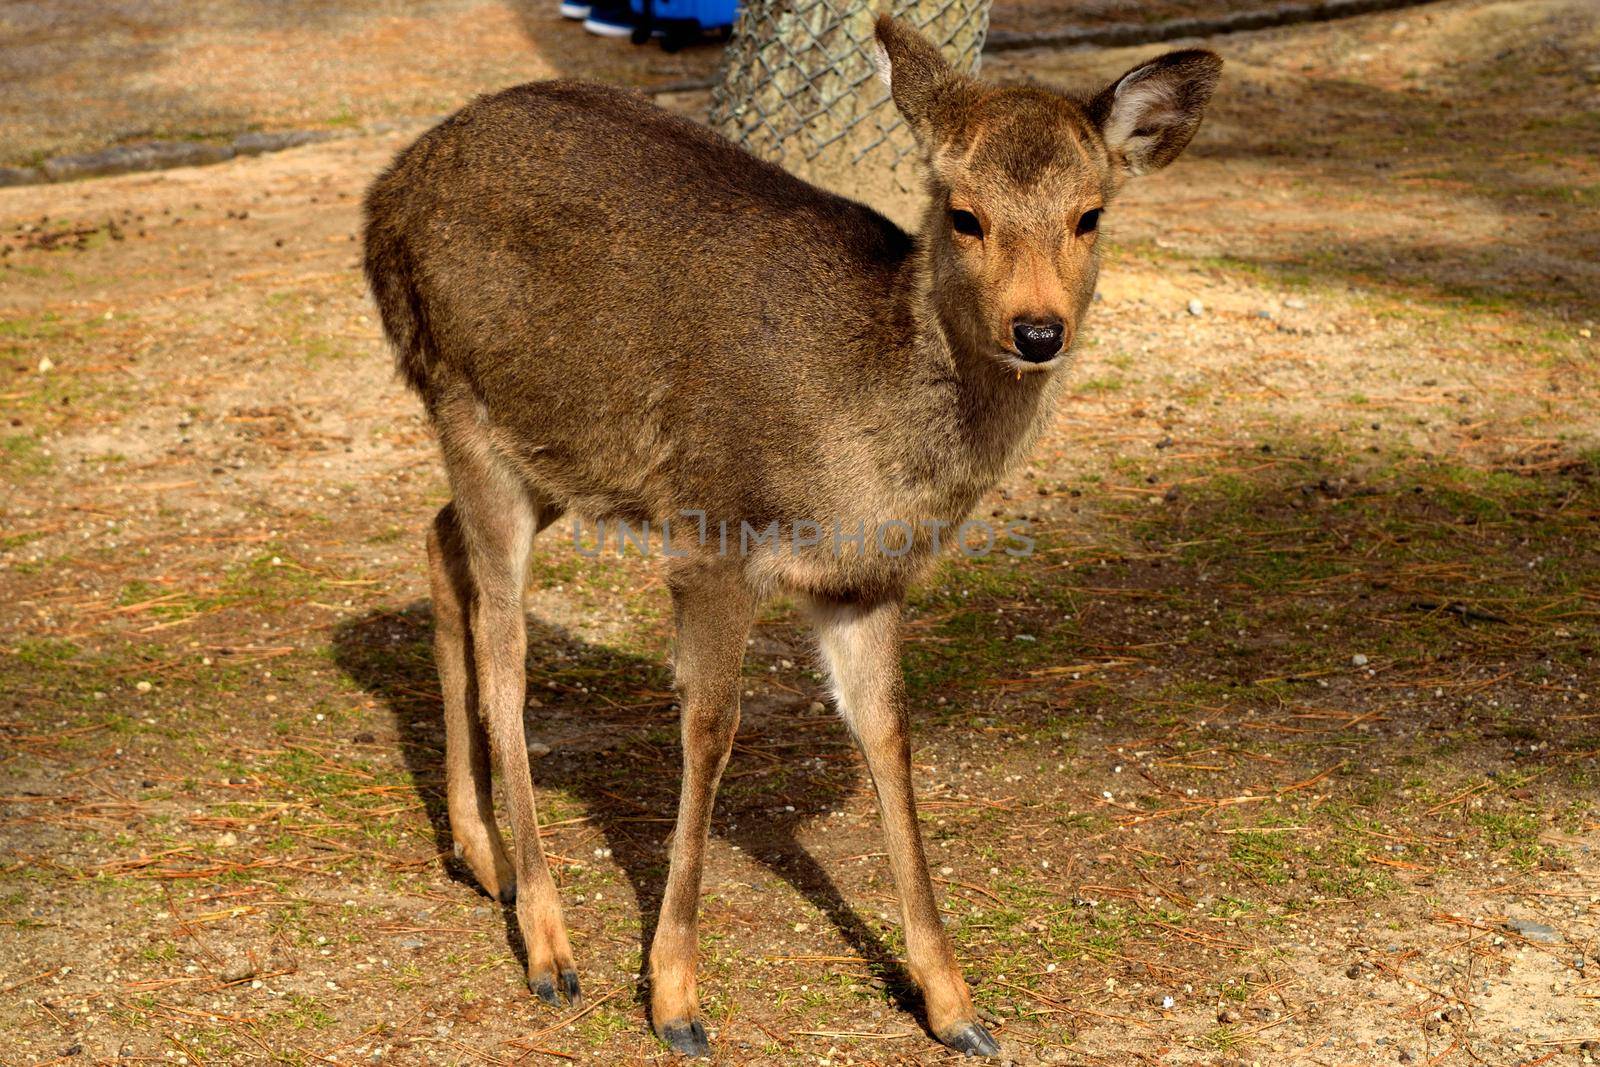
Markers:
(714, 609)
(861, 649)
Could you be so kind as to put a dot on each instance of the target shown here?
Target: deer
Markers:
(611, 311)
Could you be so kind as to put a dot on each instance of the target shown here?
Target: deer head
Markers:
(1018, 178)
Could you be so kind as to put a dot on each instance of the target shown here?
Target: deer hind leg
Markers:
(498, 516)
(470, 803)
(714, 608)
(860, 647)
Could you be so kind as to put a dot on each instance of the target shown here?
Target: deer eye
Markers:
(965, 222)
(1089, 222)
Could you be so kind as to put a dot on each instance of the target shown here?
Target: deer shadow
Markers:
(606, 712)
(612, 727)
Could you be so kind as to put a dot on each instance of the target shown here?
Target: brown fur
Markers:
(611, 311)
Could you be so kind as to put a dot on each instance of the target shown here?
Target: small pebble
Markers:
(1196, 308)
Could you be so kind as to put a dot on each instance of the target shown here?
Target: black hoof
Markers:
(973, 1040)
(569, 986)
(508, 894)
(545, 990)
(686, 1039)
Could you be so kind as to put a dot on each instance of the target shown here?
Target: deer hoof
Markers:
(971, 1039)
(551, 989)
(686, 1039)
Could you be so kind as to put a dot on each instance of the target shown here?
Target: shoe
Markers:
(572, 9)
(610, 21)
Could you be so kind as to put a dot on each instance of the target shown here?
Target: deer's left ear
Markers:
(1148, 115)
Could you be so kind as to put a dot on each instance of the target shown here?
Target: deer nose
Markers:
(1037, 341)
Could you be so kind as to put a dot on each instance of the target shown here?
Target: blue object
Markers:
(691, 17)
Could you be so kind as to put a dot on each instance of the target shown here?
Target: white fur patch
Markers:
(880, 59)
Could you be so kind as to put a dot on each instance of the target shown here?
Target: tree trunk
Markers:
(799, 87)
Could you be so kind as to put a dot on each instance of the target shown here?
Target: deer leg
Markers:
(470, 803)
(713, 609)
(498, 520)
(860, 647)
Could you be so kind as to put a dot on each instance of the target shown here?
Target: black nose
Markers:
(1037, 341)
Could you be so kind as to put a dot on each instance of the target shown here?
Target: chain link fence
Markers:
(799, 87)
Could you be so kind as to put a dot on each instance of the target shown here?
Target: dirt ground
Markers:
(92, 73)
(1281, 749)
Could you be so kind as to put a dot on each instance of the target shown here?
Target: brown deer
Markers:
(613, 312)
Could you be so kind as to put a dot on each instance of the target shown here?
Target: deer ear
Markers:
(925, 88)
(1148, 115)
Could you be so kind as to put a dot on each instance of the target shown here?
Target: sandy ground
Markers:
(1281, 749)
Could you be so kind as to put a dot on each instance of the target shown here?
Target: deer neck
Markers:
(968, 418)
